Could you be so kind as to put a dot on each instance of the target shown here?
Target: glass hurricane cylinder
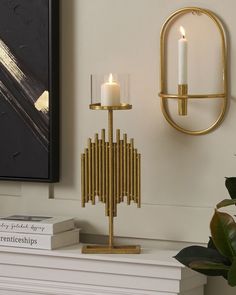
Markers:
(110, 89)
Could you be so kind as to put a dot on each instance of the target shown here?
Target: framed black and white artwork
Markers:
(29, 90)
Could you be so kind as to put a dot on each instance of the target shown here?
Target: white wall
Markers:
(182, 176)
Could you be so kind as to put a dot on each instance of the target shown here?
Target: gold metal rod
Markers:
(100, 170)
(131, 169)
(96, 166)
(139, 180)
(114, 179)
(86, 172)
(103, 147)
(111, 196)
(122, 171)
(125, 163)
(86, 176)
(128, 173)
(118, 166)
(106, 184)
(93, 174)
(192, 96)
(90, 169)
(135, 176)
(83, 180)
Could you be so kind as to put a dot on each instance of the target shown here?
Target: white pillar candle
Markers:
(182, 58)
(110, 93)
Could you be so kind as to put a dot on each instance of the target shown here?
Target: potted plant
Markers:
(219, 257)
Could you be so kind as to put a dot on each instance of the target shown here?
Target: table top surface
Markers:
(149, 256)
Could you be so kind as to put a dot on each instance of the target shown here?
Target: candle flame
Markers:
(182, 31)
(110, 78)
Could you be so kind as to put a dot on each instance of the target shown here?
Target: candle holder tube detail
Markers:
(183, 96)
(182, 101)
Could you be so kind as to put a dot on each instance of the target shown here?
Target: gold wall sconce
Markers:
(183, 96)
(110, 170)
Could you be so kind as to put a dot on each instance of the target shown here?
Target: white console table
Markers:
(68, 272)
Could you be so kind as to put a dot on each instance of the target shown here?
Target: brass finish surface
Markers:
(83, 180)
(99, 193)
(125, 164)
(123, 170)
(114, 179)
(121, 107)
(191, 96)
(131, 160)
(100, 249)
(86, 172)
(135, 176)
(121, 144)
(139, 181)
(110, 170)
(110, 178)
(96, 165)
(89, 169)
(182, 102)
(118, 199)
(93, 189)
(107, 183)
(128, 174)
(163, 92)
(103, 166)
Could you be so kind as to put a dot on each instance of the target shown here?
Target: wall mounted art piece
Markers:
(29, 101)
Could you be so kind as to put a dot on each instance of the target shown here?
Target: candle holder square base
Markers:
(105, 249)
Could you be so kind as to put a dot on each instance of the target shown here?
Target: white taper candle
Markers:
(182, 59)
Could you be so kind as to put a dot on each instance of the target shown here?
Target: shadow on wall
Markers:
(67, 82)
(218, 286)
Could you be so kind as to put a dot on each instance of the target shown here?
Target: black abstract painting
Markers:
(29, 90)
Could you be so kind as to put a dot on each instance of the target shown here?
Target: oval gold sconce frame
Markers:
(164, 96)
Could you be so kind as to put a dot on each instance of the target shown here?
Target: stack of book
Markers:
(38, 232)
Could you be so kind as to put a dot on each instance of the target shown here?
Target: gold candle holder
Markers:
(111, 171)
(183, 97)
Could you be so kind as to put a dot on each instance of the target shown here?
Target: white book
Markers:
(48, 242)
(36, 224)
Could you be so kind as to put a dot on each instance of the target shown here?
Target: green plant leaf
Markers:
(225, 203)
(208, 265)
(211, 244)
(223, 231)
(230, 184)
(232, 274)
(192, 254)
